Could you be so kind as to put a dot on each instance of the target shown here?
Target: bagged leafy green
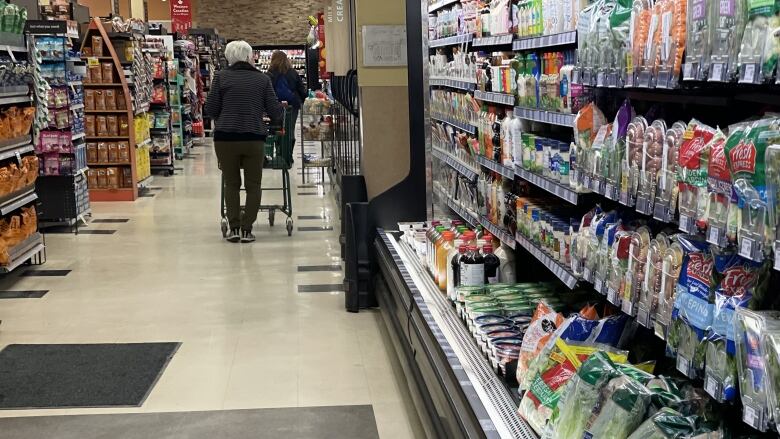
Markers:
(692, 313)
(620, 409)
(752, 363)
(771, 343)
(665, 424)
(581, 393)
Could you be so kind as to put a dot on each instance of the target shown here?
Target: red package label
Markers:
(743, 157)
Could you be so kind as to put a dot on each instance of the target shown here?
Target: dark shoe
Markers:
(247, 236)
(233, 236)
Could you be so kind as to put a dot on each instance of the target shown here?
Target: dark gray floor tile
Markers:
(46, 273)
(96, 232)
(314, 229)
(26, 294)
(310, 193)
(332, 267)
(311, 217)
(320, 288)
(343, 422)
(111, 220)
(147, 195)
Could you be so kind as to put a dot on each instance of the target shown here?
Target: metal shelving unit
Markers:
(452, 83)
(494, 166)
(495, 98)
(540, 42)
(471, 129)
(543, 116)
(551, 186)
(455, 163)
(451, 41)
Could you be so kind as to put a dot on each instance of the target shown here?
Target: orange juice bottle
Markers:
(441, 258)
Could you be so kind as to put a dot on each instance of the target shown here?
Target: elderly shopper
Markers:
(239, 98)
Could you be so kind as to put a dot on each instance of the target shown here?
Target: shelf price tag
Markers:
(716, 235)
(746, 247)
(717, 72)
(748, 74)
(688, 72)
(92, 61)
(612, 296)
(752, 416)
(684, 366)
(598, 284)
(685, 223)
(601, 79)
(609, 191)
(587, 274)
(627, 307)
(643, 317)
(777, 255)
(713, 387)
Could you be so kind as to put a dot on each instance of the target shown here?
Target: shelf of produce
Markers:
(119, 194)
(543, 116)
(540, 42)
(456, 164)
(493, 40)
(499, 232)
(453, 83)
(451, 41)
(17, 199)
(11, 147)
(495, 98)
(445, 363)
(551, 186)
(506, 171)
(440, 4)
(558, 269)
(471, 129)
(23, 252)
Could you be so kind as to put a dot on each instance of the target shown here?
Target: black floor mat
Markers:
(80, 375)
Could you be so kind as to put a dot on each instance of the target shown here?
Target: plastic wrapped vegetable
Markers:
(692, 313)
(635, 273)
(666, 193)
(632, 162)
(544, 323)
(728, 24)
(771, 344)
(666, 424)
(671, 44)
(751, 363)
(692, 178)
(580, 395)
(620, 409)
(719, 187)
(651, 280)
(700, 28)
(760, 44)
(670, 272)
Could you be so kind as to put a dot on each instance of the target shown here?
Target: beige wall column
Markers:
(384, 103)
(137, 9)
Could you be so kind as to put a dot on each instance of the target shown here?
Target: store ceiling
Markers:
(259, 21)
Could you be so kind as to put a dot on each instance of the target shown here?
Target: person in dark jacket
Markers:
(240, 97)
(281, 70)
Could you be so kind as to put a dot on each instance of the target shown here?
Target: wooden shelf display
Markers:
(119, 182)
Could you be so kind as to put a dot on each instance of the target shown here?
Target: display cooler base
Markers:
(455, 390)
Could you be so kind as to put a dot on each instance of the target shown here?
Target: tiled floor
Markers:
(249, 338)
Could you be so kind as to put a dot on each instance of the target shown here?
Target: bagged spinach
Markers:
(665, 424)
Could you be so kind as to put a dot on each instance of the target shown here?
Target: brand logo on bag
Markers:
(699, 267)
(737, 280)
(743, 157)
(718, 166)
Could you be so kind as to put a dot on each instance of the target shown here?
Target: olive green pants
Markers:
(234, 156)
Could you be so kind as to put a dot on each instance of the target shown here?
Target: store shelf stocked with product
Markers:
(114, 91)
(644, 183)
(297, 57)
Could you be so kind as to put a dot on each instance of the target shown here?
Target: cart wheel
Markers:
(271, 214)
(289, 226)
(224, 225)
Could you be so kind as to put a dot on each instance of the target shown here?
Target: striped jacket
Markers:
(239, 98)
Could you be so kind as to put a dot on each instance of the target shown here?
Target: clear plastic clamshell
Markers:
(632, 163)
(670, 272)
(636, 271)
(651, 281)
(728, 25)
(752, 363)
(652, 159)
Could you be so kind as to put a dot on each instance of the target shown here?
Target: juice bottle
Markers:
(429, 242)
(453, 268)
(492, 264)
(441, 258)
(472, 268)
(435, 240)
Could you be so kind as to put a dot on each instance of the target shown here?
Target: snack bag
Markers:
(544, 323)
(692, 313)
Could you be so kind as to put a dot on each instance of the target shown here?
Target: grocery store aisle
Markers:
(259, 327)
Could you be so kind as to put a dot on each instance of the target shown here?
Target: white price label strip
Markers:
(746, 248)
(683, 365)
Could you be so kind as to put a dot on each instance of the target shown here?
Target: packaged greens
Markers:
(665, 424)
(670, 272)
(542, 328)
(693, 161)
(692, 313)
(752, 363)
(728, 24)
(581, 393)
(700, 27)
(760, 46)
(651, 280)
(620, 409)
(771, 344)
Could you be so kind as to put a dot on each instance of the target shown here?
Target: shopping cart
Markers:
(278, 155)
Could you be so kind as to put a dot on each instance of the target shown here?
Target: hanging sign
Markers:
(181, 16)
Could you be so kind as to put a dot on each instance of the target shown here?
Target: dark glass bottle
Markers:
(472, 268)
(492, 265)
(455, 262)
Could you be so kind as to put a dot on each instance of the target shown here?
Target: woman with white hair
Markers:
(239, 98)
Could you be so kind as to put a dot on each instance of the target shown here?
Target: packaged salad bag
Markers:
(760, 43)
(666, 423)
(741, 284)
(692, 312)
(752, 363)
(544, 323)
(620, 408)
(693, 163)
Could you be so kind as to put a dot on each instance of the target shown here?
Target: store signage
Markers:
(338, 33)
(181, 16)
(46, 27)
